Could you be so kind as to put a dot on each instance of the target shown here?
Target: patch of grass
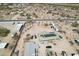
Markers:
(4, 32)
(34, 14)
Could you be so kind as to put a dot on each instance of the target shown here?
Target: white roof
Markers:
(2, 45)
(17, 28)
(29, 49)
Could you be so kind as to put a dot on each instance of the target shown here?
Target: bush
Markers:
(4, 32)
(49, 53)
(75, 24)
(49, 11)
(45, 24)
(28, 16)
(28, 35)
(68, 16)
(22, 14)
(62, 15)
(34, 14)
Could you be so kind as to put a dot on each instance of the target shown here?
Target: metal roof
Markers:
(29, 49)
(17, 28)
(48, 37)
(2, 45)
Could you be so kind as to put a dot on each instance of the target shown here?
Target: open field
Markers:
(39, 11)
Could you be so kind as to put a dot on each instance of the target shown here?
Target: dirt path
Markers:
(20, 45)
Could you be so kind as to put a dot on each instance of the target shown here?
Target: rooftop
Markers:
(48, 36)
(2, 45)
(29, 49)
